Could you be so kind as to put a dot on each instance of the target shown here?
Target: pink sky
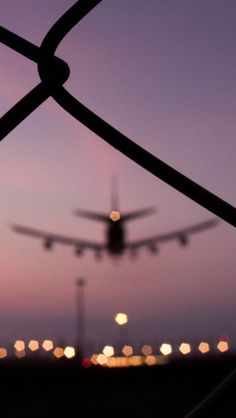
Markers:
(163, 74)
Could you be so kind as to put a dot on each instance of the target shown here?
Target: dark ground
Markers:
(51, 389)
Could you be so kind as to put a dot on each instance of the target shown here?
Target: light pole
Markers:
(80, 316)
(122, 319)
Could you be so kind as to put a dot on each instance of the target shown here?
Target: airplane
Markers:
(115, 243)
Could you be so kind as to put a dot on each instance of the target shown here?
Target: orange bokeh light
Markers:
(185, 348)
(33, 345)
(3, 353)
(19, 345)
(223, 346)
(47, 345)
(147, 350)
(204, 347)
(127, 350)
(58, 352)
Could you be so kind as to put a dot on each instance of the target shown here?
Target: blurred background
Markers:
(163, 73)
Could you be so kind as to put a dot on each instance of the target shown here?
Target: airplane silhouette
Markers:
(115, 243)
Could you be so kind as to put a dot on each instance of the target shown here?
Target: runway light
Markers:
(147, 350)
(150, 360)
(223, 346)
(166, 349)
(3, 353)
(33, 345)
(58, 352)
(135, 360)
(108, 351)
(94, 359)
(117, 362)
(86, 363)
(114, 215)
(204, 347)
(20, 354)
(112, 362)
(69, 352)
(121, 318)
(185, 348)
(19, 345)
(101, 359)
(127, 350)
(47, 345)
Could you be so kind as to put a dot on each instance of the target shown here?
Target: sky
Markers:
(163, 73)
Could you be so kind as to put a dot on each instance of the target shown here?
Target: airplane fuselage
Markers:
(115, 237)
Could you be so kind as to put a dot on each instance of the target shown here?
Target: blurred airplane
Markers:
(115, 243)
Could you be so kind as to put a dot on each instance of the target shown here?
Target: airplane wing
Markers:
(49, 239)
(181, 235)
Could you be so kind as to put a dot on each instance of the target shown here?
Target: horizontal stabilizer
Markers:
(128, 216)
(91, 215)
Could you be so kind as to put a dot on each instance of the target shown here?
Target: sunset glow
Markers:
(163, 74)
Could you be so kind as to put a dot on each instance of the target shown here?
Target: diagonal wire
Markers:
(116, 138)
(54, 72)
(145, 159)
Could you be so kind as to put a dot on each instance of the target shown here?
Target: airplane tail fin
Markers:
(114, 193)
(115, 212)
(127, 216)
(101, 217)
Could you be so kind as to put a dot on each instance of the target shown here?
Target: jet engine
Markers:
(183, 240)
(48, 243)
(79, 250)
(153, 248)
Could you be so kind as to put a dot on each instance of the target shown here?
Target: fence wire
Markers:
(53, 73)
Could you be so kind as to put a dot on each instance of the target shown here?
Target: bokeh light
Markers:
(20, 354)
(166, 349)
(204, 347)
(135, 360)
(69, 352)
(150, 360)
(121, 318)
(223, 346)
(114, 215)
(19, 345)
(3, 353)
(86, 363)
(58, 352)
(185, 348)
(101, 359)
(47, 345)
(146, 350)
(94, 359)
(108, 351)
(127, 350)
(33, 345)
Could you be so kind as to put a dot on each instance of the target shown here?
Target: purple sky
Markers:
(163, 73)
